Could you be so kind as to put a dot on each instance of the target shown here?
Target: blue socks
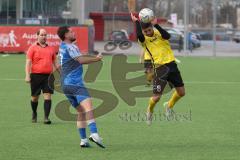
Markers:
(93, 127)
(82, 132)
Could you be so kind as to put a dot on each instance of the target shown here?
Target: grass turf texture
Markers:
(212, 87)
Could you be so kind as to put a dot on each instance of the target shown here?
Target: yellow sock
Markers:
(175, 97)
(151, 105)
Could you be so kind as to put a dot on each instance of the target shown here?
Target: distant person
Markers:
(180, 47)
(190, 43)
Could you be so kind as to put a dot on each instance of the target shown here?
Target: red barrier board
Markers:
(19, 38)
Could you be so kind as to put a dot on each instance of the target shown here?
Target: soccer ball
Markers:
(146, 15)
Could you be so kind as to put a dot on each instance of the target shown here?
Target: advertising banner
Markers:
(19, 38)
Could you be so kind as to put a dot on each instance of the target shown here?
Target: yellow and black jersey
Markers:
(146, 55)
(158, 49)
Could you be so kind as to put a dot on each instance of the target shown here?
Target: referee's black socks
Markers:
(34, 107)
(47, 107)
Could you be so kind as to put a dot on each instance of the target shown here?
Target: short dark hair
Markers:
(62, 31)
(145, 25)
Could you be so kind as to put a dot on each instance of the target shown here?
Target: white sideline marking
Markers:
(5, 55)
(11, 79)
(177, 60)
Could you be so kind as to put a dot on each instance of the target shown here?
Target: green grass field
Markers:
(212, 133)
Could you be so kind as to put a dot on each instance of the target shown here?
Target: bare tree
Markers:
(200, 11)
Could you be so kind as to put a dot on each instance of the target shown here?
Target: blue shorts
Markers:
(75, 94)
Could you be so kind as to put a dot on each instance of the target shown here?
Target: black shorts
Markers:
(148, 64)
(41, 82)
(167, 74)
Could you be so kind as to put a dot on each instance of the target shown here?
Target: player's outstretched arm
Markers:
(139, 33)
(87, 59)
(164, 33)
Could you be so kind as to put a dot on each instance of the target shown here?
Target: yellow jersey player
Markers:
(146, 59)
(155, 40)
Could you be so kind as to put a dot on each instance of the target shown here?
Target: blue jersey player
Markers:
(71, 61)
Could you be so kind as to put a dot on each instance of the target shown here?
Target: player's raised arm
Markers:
(164, 33)
(139, 33)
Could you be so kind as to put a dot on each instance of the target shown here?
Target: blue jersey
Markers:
(71, 74)
(72, 70)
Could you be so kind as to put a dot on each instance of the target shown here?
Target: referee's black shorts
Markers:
(167, 74)
(41, 82)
